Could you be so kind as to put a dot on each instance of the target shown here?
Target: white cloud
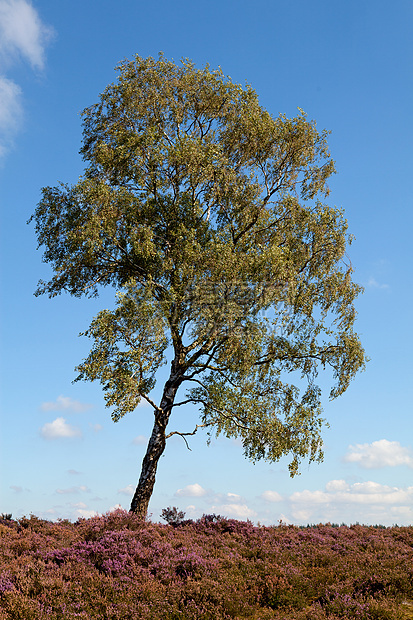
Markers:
(10, 112)
(128, 490)
(233, 497)
(337, 485)
(382, 453)
(283, 519)
(191, 490)
(22, 33)
(271, 496)
(404, 511)
(79, 505)
(65, 403)
(236, 511)
(73, 472)
(59, 428)
(301, 515)
(47, 514)
(363, 502)
(140, 440)
(372, 283)
(85, 514)
(10, 107)
(73, 490)
(369, 492)
(310, 497)
(96, 427)
(226, 504)
(369, 487)
(340, 501)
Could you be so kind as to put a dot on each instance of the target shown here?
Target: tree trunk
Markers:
(155, 449)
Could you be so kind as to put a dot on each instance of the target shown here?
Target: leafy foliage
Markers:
(206, 214)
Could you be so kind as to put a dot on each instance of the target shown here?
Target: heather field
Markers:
(118, 567)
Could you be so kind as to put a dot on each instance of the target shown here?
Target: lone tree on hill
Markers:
(204, 212)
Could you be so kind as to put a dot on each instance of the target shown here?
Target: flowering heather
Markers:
(119, 567)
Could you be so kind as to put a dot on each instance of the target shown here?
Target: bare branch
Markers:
(184, 402)
(183, 435)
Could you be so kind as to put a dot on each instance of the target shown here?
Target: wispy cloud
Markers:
(65, 403)
(16, 489)
(372, 283)
(58, 429)
(73, 490)
(10, 112)
(382, 453)
(140, 440)
(22, 33)
(22, 36)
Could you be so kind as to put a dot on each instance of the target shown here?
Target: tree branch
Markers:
(183, 435)
(293, 356)
(227, 416)
(151, 402)
(184, 402)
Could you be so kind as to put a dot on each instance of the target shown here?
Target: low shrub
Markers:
(117, 566)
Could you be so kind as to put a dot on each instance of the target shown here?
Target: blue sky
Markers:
(349, 66)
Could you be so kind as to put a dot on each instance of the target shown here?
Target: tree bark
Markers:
(155, 449)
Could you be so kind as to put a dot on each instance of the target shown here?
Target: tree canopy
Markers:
(206, 214)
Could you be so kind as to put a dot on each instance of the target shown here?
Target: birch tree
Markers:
(208, 217)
